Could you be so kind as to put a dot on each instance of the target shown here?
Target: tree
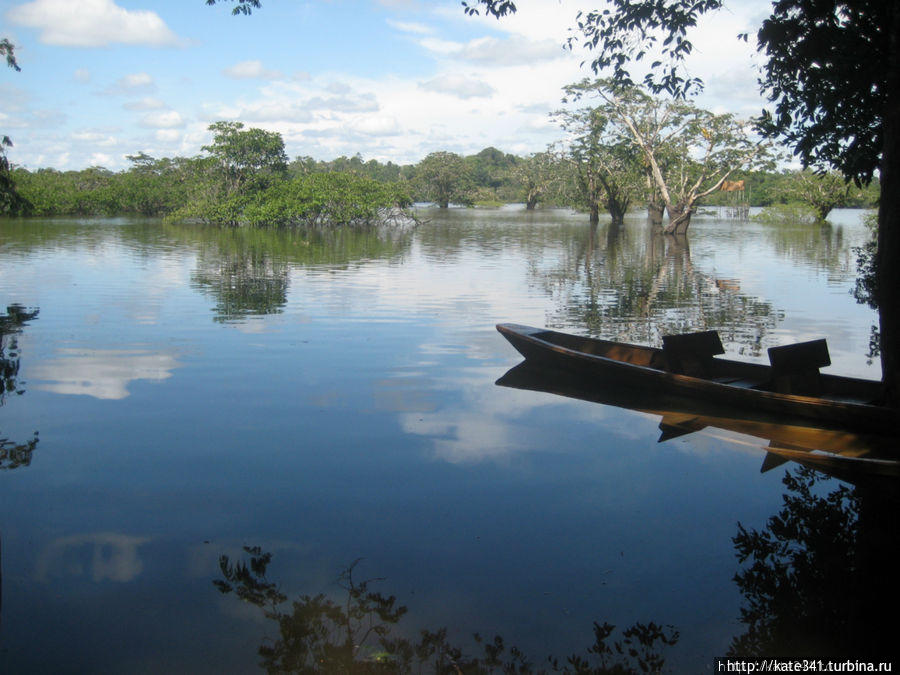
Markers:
(607, 164)
(688, 152)
(538, 174)
(822, 192)
(246, 158)
(444, 177)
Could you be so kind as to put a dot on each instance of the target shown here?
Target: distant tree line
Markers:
(244, 176)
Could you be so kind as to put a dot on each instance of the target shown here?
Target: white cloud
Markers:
(459, 86)
(164, 119)
(251, 70)
(146, 103)
(92, 23)
(95, 138)
(375, 126)
(131, 84)
(167, 135)
(491, 51)
(82, 75)
(410, 27)
(100, 373)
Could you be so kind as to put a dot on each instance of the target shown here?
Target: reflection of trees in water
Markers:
(318, 635)
(818, 578)
(247, 270)
(639, 285)
(821, 246)
(13, 455)
(243, 283)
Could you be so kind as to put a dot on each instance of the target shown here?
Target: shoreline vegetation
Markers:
(245, 179)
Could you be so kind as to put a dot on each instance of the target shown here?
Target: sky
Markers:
(392, 80)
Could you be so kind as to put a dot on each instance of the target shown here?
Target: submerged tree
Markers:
(539, 175)
(687, 152)
(246, 159)
(822, 192)
(607, 165)
(444, 177)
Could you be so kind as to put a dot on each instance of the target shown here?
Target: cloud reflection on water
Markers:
(102, 373)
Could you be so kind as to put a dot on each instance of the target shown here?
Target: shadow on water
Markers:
(356, 634)
(855, 457)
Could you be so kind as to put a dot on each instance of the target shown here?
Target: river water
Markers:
(183, 392)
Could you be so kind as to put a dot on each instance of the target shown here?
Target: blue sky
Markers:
(390, 79)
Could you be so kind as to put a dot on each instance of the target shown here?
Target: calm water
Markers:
(190, 391)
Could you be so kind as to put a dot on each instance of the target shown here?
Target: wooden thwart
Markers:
(795, 368)
(692, 353)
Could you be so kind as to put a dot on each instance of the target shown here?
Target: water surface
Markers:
(330, 396)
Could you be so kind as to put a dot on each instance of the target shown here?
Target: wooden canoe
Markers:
(743, 389)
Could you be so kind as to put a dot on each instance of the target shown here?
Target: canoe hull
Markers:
(636, 366)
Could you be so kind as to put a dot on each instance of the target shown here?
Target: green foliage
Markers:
(310, 200)
(608, 165)
(822, 192)
(444, 177)
(540, 177)
(828, 109)
(242, 7)
(632, 31)
(10, 200)
(686, 152)
(787, 214)
(246, 160)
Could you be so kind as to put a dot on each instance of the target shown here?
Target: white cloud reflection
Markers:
(103, 556)
(101, 373)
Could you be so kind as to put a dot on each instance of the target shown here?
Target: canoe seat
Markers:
(795, 368)
(692, 353)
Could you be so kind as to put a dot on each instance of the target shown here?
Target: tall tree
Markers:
(607, 164)
(688, 152)
(245, 157)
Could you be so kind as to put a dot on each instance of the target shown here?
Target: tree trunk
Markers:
(679, 219)
(443, 204)
(616, 212)
(530, 204)
(887, 269)
(595, 213)
(655, 212)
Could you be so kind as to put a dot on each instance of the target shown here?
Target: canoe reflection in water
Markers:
(873, 458)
